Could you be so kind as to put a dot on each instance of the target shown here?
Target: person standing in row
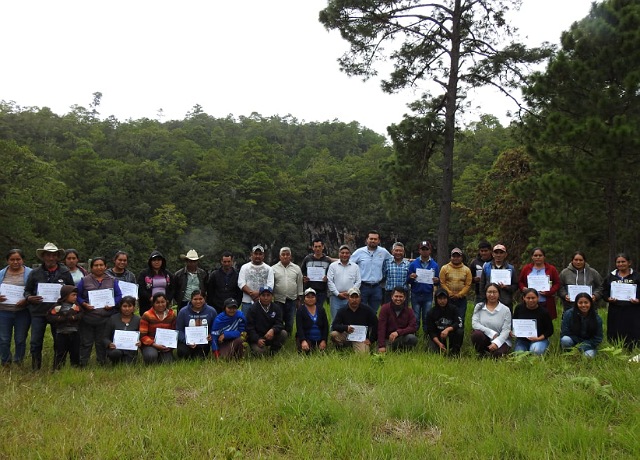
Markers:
(579, 273)
(119, 270)
(287, 288)
(507, 284)
(456, 278)
(50, 272)
(223, 284)
(623, 320)
(253, 276)
(370, 259)
(314, 271)
(540, 268)
(189, 278)
(484, 256)
(422, 285)
(153, 280)
(71, 260)
(342, 276)
(395, 272)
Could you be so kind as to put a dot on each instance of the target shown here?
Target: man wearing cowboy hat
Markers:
(189, 278)
(50, 272)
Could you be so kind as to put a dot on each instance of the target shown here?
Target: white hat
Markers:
(192, 254)
(50, 247)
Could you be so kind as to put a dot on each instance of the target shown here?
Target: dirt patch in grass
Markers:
(406, 430)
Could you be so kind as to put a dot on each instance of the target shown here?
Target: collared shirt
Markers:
(287, 282)
(341, 278)
(370, 263)
(395, 273)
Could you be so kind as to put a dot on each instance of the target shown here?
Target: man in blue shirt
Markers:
(370, 259)
(422, 289)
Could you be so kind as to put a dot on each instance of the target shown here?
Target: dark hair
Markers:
(624, 255)
(374, 232)
(196, 292)
(120, 253)
(71, 251)
(93, 261)
(579, 253)
(128, 299)
(227, 254)
(484, 244)
(10, 252)
(491, 284)
(529, 291)
(317, 240)
(400, 289)
(157, 295)
(539, 249)
(592, 321)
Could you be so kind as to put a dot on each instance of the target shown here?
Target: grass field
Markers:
(337, 405)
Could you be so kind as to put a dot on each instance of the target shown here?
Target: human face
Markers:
(425, 252)
(578, 262)
(231, 311)
(373, 240)
(485, 254)
(398, 298)
(265, 298)
(71, 298)
(121, 262)
(160, 304)
(197, 302)
(583, 305)
(442, 301)
(257, 257)
(226, 263)
(344, 255)
(531, 301)
(318, 249)
(15, 261)
(98, 268)
(192, 265)
(310, 299)
(456, 259)
(285, 258)
(354, 301)
(50, 259)
(156, 263)
(623, 264)
(71, 261)
(499, 255)
(126, 309)
(398, 253)
(537, 258)
(492, 294)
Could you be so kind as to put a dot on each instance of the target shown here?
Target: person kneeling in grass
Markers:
(159, 316)
(195, 314)
(397, 323)
(444, 324)
(533, 309)
(265, 327)
(344, 333)
(228, 335)
(125, 321)
(582, 326)
(312, 326)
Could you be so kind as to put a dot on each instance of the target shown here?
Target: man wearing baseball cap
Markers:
(506, 278)
(254, 275)
(422, 289)
(265, 329)
(456, 278)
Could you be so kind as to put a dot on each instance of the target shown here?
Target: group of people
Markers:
(375, 296)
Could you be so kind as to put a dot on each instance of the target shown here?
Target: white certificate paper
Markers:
(14, 294)
(500, 275)
(623, 291)
(425, 276)
(574, 289)
(167, 337)
(315, 273)
(524, 328)
(538, 282)
(196, 335)
(359, 334)
(128, 289)
(101, 298)
(479, 273)
(126, 340)
(50, 292)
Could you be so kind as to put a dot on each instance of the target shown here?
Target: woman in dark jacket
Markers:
(312, 326)
(156, 278)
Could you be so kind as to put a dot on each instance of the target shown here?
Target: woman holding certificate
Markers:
(122, 336)
(491, 325)
(14, 314)
(532, 325)
(621, 291)
(98, 295)
(579, 277)
(158, 346)
(542, 277)
(582, 327)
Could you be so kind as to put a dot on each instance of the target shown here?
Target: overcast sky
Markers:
(231, 57)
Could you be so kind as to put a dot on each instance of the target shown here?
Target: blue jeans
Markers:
(421, 304)
(567, 342)
(38, 328)
(245, 307)
(537, 348)
(371, 295)
(288, 314)
(336, 304)
(14, 323)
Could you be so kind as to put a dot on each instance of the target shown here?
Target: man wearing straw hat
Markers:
(189, 278)
(40, 280)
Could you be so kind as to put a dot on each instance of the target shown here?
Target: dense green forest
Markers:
(563, 177)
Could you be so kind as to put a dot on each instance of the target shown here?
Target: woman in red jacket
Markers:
(539, 267)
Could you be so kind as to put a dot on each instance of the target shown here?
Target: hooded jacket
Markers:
(145, 282)
(587, 276)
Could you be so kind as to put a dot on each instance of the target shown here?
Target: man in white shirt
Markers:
(342, 276)
(288, 287)
(254, 275)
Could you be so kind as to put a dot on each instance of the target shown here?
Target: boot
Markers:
(36, 363)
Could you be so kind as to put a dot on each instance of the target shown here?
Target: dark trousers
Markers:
(481, 343)
(454, 340)
(91, 333)
(231, 349)
(66, 343)
(288, 314)
(151, 356)
(122, 356)
(199, 351)
(38, 328)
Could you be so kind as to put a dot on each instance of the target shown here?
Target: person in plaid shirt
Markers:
(395, 271)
